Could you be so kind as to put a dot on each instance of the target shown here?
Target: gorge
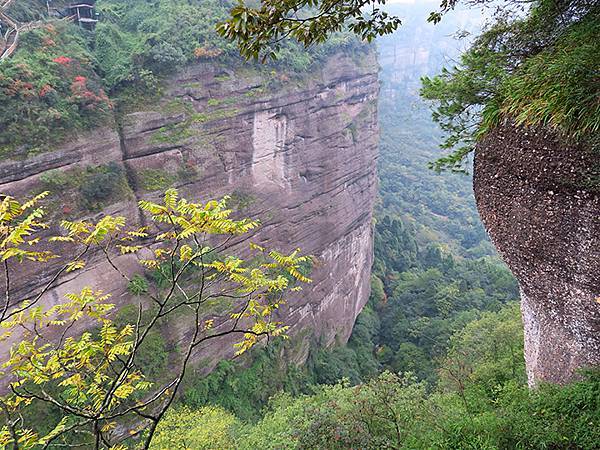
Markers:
(377, 276)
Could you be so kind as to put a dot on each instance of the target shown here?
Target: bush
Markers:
(482, 402)
(57, 80)
(47, 88)
(55, 179)
(155, 179)
(100, 184)
(138, 285)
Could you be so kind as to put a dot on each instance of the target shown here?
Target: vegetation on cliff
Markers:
(540, 69)
(536, 63)
(64, 79)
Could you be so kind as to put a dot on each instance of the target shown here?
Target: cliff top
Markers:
(63, 78)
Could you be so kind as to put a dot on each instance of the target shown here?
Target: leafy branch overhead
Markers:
(259, 32)
(76, 358)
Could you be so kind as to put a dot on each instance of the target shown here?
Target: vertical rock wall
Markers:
(298, 155)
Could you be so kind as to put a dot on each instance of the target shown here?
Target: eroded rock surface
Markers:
(539, 199)
(299, 156)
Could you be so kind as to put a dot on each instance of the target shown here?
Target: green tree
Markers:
(73, 358)
(260, 30)
(208, 428)
(482, 401)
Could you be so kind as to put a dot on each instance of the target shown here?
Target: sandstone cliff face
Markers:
(298, 156)
(538, 197)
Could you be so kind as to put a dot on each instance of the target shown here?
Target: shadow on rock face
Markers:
(539, 198)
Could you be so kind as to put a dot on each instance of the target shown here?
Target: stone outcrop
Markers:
(539, 198)
(299, 155)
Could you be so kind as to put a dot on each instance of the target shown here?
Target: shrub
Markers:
(155, 179)
(209, 428)
(55, 179)
(138, 285)
(100, 184)
(47, 88)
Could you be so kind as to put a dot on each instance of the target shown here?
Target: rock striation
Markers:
(299, 155)
(539, 198)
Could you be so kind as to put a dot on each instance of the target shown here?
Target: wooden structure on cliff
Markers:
(84, 13)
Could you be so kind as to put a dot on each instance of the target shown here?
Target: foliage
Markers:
(535, 70)
(558, 87)
(460, 94)
(63, 79)
(48, 88)
(138, 285)
(55, 179)
(96, 381)
(354, 361)
(208, 428)
(487, 352)
(137, 36)
(100, 184)
(437, 207)
(339, 416)
(246, 389)
(394, 411)
(259, 31)
(80, 368)
(485, 404)
(155, 179)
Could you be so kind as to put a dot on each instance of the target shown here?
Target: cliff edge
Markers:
(539, 199)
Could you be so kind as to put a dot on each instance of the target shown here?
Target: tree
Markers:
(486, 353)
(207, 428)
(73, 358)
(260, 30)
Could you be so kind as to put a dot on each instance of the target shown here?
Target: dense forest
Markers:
(435, 359)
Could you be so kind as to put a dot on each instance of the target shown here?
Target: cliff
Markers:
(299, 155)
(539, 199)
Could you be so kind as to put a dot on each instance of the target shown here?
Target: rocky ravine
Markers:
(299, 156)
(539, 199)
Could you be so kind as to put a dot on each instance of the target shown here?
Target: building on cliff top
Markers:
(85, 13)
